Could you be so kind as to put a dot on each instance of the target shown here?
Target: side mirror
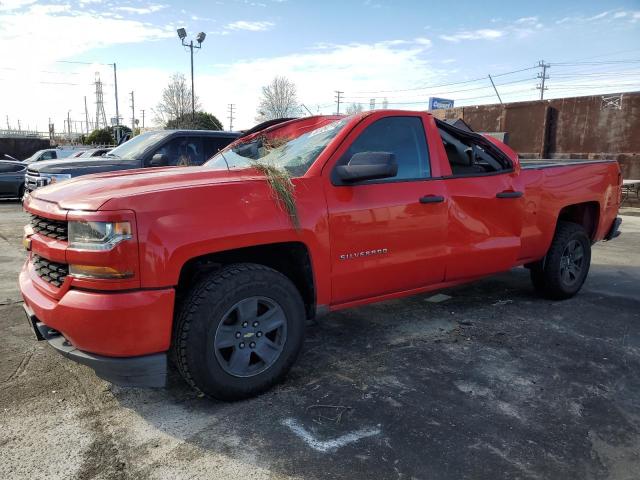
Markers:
(159, 160)
(368, 166)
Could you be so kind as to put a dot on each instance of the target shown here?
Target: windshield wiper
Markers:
(109, 154)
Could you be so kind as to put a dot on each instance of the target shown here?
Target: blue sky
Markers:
(401, 50)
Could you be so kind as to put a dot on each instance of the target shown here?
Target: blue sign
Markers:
(439, 103)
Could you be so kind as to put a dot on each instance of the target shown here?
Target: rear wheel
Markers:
(564, 269)
(239, 331)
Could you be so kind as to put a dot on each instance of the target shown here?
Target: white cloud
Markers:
(481, 34)
(607, 16)
(258, 26)
(35, 27)
(423, 41)
(527, 20)
(142, 10)
(8, 5)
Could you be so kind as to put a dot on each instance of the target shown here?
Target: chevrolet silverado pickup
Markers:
(218, 267)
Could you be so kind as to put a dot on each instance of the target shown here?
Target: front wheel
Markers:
(239, 331)
(564, 269)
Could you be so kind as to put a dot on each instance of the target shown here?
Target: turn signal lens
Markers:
(91, 271)
(26, 237)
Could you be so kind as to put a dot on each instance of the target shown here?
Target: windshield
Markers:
(137, 145)
(33, 157)
(293, 152)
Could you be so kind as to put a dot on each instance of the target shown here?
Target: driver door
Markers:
(386, 235)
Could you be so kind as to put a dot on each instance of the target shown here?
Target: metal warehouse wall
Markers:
(22, 147)
(598, 126)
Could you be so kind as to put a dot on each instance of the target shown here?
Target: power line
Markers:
(450, 83)
(349, 97)
(607, 62)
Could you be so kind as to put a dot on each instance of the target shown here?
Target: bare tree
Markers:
(354, 108)
(176, 100)
(279, 100)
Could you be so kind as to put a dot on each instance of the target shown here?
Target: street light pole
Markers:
(193, 95)
(182, 34)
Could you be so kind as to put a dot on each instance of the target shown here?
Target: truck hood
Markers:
(76, 167)
(92, 191)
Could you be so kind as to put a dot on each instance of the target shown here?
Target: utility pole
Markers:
(542, 76)
(115, 83)
(69, 123)
(86, 114)
(230, 117)
(142, 118)
(133, 113)
(494, 87)
(8, 127)
(338, 93)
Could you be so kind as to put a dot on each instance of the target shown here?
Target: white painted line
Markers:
(328, 445)
(438, 297)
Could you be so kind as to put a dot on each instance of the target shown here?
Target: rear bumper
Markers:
(143, 371)
(614, 231)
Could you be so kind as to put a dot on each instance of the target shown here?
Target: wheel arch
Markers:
(292, 259)
(586, 214)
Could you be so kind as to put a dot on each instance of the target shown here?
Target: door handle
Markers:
(432, 199)
(507, 194)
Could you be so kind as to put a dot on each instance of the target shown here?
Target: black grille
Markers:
(51, 228)
(49, 271)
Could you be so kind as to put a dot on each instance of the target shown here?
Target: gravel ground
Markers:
(485, 381)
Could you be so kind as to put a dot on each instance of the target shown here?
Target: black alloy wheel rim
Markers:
(251, 336)
(572, 263)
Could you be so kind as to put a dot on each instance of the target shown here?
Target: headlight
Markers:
(98, 235)
(57, 177)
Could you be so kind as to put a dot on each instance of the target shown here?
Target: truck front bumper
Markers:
(143, 371)
(124, 336)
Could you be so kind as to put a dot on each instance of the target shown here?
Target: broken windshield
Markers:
(293, 152)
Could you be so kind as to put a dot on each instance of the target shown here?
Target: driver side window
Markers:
(402, 136)
(181, 151)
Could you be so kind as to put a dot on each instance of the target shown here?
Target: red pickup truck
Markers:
(218, 267)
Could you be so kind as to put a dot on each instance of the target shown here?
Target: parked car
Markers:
(95, 152)
(12, 179)
(51, 154)
(150, 149)
(220, 266)
(76, 154)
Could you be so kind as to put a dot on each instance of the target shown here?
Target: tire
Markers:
(564, 269)
(239, 331)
